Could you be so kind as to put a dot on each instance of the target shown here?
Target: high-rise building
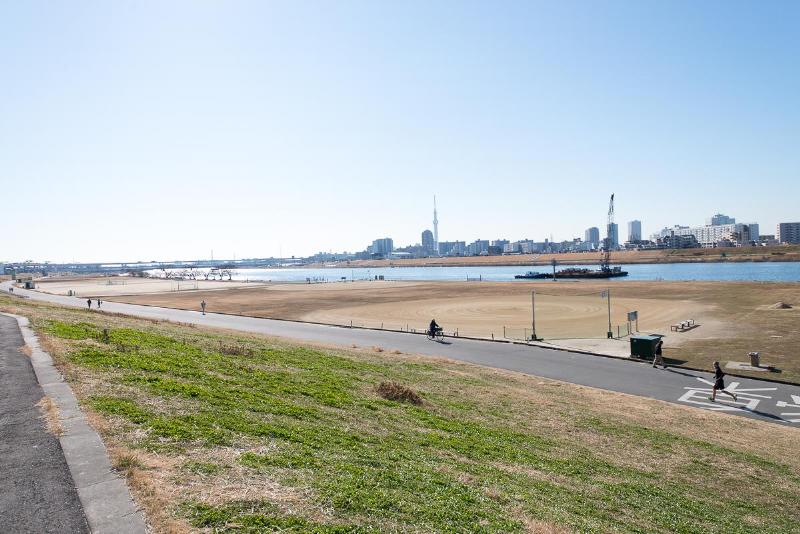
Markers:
(613, 235)
(719, 219)
(452, 248)
(381, 247)
(435, 226)
(592, 236)
(428, 242)
(478, 247)
(788, 232)
(755, 232)
(635, 231)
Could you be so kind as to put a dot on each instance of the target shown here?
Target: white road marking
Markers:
(747, 400)
(784, 404)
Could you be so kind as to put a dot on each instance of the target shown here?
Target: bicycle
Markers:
(438, 335)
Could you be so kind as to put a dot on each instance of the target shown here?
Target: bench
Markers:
(683, 325)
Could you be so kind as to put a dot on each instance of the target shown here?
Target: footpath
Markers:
(52, 483)
(38, 493)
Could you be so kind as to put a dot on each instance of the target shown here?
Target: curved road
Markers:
(770, 401)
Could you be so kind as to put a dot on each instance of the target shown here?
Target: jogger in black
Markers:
(719, 384)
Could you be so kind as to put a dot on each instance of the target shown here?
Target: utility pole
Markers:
(533, 315)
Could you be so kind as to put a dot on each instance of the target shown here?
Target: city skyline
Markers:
(260, 130)
(718, 225)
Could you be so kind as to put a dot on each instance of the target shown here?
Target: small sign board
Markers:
(633, 316)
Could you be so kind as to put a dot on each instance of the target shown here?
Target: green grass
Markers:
(474, 457)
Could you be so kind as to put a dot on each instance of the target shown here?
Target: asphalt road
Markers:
(37, 493)
(770, 401)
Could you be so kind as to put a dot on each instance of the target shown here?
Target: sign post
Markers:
(633, 316)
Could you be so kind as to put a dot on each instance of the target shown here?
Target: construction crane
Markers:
(605, 262)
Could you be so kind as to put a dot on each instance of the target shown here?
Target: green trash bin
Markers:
(644, 347)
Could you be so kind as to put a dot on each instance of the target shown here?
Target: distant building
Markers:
(720, 219)
(592, 236)
(612, 236)
(478, 247)
(381, 247)
(428, 242)
(710, 236)
(788, 232)
(755, 232)
(635, 231)
(678, 241)
(525, 246)
(664, 232)
(767, 240)
(452, 248)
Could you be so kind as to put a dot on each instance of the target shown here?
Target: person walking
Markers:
(203, 306)
(719, 384)
(98, 303)
(659, 358)
(89, 303)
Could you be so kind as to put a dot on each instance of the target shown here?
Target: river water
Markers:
(756, 271)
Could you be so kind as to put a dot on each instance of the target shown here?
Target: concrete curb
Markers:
(106, 501)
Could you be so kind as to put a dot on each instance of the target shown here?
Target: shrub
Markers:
(398, 392)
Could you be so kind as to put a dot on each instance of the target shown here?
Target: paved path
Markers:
(764, 400)
(37, 493)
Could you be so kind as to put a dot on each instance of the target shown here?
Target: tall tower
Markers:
(435, 227)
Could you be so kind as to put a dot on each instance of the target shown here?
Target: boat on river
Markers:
(571, 273)
(531, 275)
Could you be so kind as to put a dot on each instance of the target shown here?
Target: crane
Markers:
(605, 262)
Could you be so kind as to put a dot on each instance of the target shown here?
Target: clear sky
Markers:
(165, 129)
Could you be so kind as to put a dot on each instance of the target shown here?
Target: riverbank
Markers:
(625, 257)
(218, 430)
(733, 318)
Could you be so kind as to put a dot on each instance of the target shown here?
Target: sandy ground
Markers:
(108, 286)
(483, 315)
(733, 317)
(485, 309)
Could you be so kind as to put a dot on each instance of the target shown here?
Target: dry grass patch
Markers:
(50, 416)
(398, 392)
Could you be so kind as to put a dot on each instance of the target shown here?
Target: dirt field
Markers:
(734, 318)
(109, 286)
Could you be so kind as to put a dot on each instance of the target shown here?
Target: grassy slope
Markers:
(244, 433)
(742, 306)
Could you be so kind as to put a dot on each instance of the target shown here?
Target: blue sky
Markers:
(160, 130)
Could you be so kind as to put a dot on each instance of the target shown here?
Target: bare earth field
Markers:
(108, 286)
(734, 318)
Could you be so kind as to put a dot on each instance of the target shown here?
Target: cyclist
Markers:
(434, 328)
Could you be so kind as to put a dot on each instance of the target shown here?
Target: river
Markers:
(741, 271)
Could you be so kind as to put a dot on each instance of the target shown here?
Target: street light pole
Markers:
(533, 315)
(610, 333)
